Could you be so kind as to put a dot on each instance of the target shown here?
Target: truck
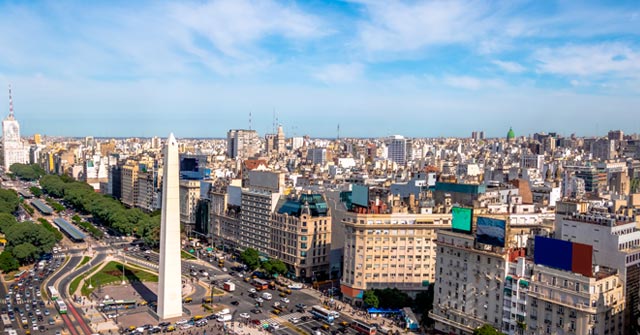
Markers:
(229, 286)
(266, 296)
(223, 318)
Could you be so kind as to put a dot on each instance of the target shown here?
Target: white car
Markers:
(275, 325)
(285, 300)
(259, 300)
(252, 290)
(294, 320)
(245, 315)
(181, 322)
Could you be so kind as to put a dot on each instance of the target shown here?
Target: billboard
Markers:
(461, 219)
(491, 231)
(360, 195)
(564, 255)
(553, 253)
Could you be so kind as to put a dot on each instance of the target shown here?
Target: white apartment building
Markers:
(189, 196)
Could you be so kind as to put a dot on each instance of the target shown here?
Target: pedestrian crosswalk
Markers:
(281, 318)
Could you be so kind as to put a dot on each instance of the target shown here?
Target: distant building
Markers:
(242, 143)
(399, 149)
(13, 149)
(317, 156)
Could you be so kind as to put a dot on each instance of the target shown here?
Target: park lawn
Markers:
(84, 261)
(186, 255)
(76, 281)
(112, 273)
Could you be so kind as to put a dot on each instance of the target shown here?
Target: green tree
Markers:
(424, 304)
(9, 201)
(486, 329)
(251, 258)
(30, 233)
(8, 262)
(370, 299)
(6, 221)
(36, 191)
(25, 252)
(48, 226)
(274, 266)
(393, 298)
(26, 171)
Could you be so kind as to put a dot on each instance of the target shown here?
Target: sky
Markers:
(375, 68)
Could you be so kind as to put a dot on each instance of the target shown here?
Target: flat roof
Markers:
(69, 229)
(41, 206)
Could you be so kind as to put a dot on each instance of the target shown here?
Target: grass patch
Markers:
(186, 255)
(112, 273)
(76, 281)
(50, 228)
(84, 261)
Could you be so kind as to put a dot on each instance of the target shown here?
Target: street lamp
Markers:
(124, 261)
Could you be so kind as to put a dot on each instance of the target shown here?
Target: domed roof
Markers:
(511, 134)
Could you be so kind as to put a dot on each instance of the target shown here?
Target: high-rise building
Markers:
(242, 143)
(615, 135)
(189, 196)
(169, 275)
(399, 149)
(317, 156)
(13, 149)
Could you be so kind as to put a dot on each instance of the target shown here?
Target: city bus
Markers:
(323, 314)
(363, 327)
(260, 284)
(53, 293)
(61, 306)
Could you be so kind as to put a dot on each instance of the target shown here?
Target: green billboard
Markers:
(461, 219)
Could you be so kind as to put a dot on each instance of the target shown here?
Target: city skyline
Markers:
(420, 69)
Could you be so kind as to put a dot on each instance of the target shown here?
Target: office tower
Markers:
(242, 143)
(189, 196)
(13, 150)
(169, 279)
(317, 156)
(398, 149)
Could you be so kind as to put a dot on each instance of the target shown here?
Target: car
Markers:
(285, 300)
(259, 300)
(256, 311)
(164, 324)
(303, 306)
(325, 326)
(181, 322)
(294, 320)
(253, 295)
(245, 315)
(344, 323)
(155, 329)
(51, 322)
(274, 325)
(252, 290)
(276, 311)
(304, 318)
(46, 312)
(235, 303)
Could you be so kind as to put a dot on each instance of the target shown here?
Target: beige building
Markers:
(390, 250)
(563, 302)
(301, 236)
(130, 183)
(189, 196)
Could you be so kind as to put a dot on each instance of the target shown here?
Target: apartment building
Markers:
(389, 250)
(129, 180)
(301, 236)
(565, 302)
(189, 196)
(469, 284)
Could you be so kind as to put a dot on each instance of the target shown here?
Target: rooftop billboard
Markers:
(491, 231)
(564, 255)
(461, 219)
(360, 195)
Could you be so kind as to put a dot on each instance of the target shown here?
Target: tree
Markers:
(251, 258)
(36, 191)
(25, 252)
(486, 329)
(424, 304)
(26, 171)
(274, 266)
(370, 299)
(8, 262)
(9, 201)
(393, 298)
(30, 233)
(6, 220)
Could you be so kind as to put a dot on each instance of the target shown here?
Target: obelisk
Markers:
(169, 281)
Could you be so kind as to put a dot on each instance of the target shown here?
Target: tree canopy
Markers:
(370, 299)
(486, 329)
(6, 220)
(9, 201)
(36, 191)
(393, 298)
(27, 171)
(103, 208)
(274, 266)
(8, 262)
(251, 258)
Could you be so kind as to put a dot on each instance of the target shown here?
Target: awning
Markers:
(524, 283)
(509, 278)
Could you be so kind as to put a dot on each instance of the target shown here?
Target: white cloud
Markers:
(472, 83)
(590, 60)
(511, 67)
(339, 73)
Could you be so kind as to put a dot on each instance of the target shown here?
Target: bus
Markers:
(323, 314)
(53, 293)
(363, 327)
(6, 321)
(61, 306)
(260, 284)
(111, 305)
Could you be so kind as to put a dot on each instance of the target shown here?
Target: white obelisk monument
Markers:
(169, 281)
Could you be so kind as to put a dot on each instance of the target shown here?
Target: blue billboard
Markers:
(360, 195)
(491, 231)
(461, 219)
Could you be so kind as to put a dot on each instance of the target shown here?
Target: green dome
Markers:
(511, 134)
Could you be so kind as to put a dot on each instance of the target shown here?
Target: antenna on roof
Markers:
(249, 120)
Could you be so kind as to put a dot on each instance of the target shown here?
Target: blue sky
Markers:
(417, 68)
